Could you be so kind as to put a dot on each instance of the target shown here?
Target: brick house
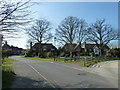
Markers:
(85, 48)
(46, 47)
(95, 48)
(75, 49)
(6, 47)
(11, 49)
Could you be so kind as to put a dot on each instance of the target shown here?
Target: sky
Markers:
(55, 12)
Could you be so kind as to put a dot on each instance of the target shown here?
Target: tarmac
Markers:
(108, 69)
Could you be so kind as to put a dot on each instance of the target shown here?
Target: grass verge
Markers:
(79, 61)
(58, 59)
(40, 59)
(8, 74)
(8, 61)
(100, 59)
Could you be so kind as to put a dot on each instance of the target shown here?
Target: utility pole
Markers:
(1, 37)
(54, 50)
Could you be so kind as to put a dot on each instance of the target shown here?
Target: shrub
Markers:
(29, 53)
(43, 55)
(113, 53)
(6, 54)
(49, 54)
(62, 54)
(91, 54)
(108, 55)
(82, 54)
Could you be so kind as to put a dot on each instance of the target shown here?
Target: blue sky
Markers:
(55, 12)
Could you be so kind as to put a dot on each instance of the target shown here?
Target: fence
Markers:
(87, 59)
(90, 60)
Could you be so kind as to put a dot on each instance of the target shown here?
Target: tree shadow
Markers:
(25, 82)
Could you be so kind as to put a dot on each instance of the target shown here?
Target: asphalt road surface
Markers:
(47, 74)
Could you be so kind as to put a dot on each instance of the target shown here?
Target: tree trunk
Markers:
(101, 51)
(79, 48)
(39, 49)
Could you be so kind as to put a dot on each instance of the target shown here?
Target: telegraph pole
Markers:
(1, 37)
(54, 50)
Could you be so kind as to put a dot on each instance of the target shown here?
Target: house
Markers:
(6, 47)
(95, 48)
(76, 50)
(46, 47)
(16, 50)
(11, 49)
(85, 48)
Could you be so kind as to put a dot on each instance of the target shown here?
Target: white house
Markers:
(96, 50)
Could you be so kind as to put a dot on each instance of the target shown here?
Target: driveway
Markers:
(47, 74)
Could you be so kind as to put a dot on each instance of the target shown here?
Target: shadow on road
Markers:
(24, 82)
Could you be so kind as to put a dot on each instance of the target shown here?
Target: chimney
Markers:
(30, 45)
(5, 42)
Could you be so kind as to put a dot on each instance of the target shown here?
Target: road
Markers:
(47, 74)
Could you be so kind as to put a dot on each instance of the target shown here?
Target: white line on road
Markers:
(39, 73)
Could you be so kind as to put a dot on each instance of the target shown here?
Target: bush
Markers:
(62, 54)
(108, 55)
(113, 53)
(43, 55)
(91, 54)
(29, 53)
(6, 54)
(49, 54)
(82, 54)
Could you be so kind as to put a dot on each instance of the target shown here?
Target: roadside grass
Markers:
(40, 59)
(8, 61)
(79, 62)
(58, 59)
(48, 59)
(8, 74)
(45, 59)
(100, 59)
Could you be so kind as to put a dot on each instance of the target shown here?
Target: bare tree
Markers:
(13, 15)
(81, 32)
(66, 31)
(101, 34)
(40, 32)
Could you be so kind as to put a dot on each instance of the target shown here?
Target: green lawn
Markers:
(8, 74)
(58, 59)
(8, 61)
(47, 59)
(79, 61)
(40, 59)
(101, 59)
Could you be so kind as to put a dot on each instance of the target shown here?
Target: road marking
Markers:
(56, 82)
(39, 74)
(36, 71)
